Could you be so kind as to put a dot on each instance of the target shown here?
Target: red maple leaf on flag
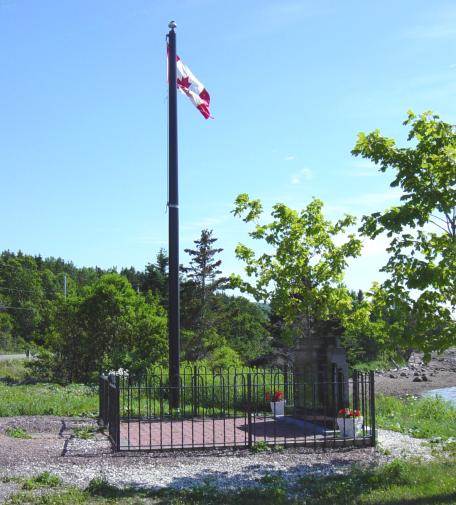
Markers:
(184, 82)
(192, 87)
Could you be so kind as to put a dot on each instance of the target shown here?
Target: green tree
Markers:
(135, 278)
(156, 277)
(422, 229)
(202, 281)
(373, 329)
(6, 337)
(111, 326)
(224, 357)
(22, 290)
(301, 273)
(244, 325)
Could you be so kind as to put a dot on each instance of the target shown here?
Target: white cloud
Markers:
(290, 157)
(363, 168)
(303, 174)
(371, 247)
(376, 247)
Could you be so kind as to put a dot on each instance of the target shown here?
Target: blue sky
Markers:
(83, 116)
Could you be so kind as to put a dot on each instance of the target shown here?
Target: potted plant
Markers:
(350, 422)
(277, 402)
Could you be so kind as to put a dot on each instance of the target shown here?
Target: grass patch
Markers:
(45, 479)
(100, 487)
(13, 370)
(86, 432)
(379, 364)
(70, 496)
(418, 417)
(17, 432)
(260, 446)
(398, 483)
(48, 399)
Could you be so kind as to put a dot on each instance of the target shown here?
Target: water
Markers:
(448, 394)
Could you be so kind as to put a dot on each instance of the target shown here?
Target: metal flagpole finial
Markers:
(172, 25)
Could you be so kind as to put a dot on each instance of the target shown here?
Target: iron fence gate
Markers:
(236, 408)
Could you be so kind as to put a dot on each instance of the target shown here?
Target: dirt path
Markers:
(417, 377)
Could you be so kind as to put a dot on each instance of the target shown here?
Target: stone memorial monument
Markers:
(320, 373)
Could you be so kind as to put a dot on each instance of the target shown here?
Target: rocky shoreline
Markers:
(418, 377)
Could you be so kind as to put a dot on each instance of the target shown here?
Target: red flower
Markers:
(349, 413)
(278, 396)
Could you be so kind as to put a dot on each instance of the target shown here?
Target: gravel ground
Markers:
(6, 490)
(53, 447)
(398, 445)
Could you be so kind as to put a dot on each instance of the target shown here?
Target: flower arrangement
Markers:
(348, 413)
(122, 372)
(350, 423)
(276, 397)
(277, 402)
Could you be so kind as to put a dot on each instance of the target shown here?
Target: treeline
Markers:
(83, 320)
(80, 321)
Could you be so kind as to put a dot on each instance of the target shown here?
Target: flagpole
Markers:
(173, 225)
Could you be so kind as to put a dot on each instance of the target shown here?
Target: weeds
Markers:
(101, 487)
(70, 496)
(17, 432)
(261, 446)
(85, 432)
(45, 479)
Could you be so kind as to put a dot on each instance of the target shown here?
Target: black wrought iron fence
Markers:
(109, 407)
(236, 408)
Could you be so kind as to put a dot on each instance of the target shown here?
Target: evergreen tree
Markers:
(156, 277)
(203, 279)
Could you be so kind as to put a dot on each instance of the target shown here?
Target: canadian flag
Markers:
(188, 84)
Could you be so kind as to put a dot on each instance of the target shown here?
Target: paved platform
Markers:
(213, 432)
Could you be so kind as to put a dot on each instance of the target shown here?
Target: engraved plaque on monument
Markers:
(321, 373)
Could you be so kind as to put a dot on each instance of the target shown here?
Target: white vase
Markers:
(278, 408)
(350, 427)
